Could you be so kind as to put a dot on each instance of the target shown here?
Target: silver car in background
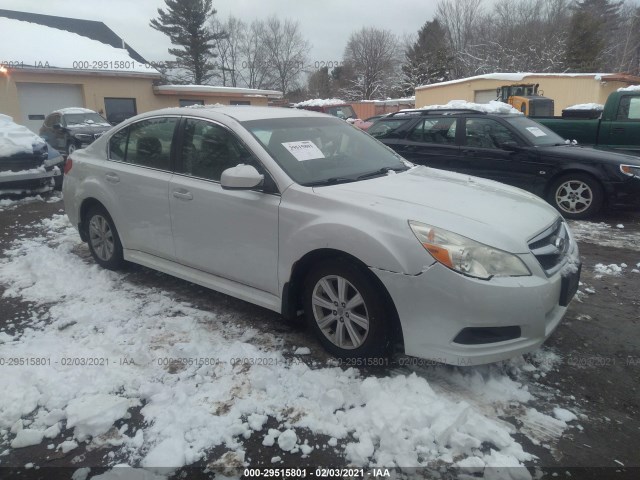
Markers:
(302, 213)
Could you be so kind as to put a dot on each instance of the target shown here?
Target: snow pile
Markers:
(71, 110)
(586, 106)
(11, 173)
(319, 102)
(630, 88)
(15, 138)
(492, 107)
(71, 50)
(139, 341)
(615, 270)
(603, 234)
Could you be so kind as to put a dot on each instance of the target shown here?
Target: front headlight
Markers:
(630, 170)
(467, 256)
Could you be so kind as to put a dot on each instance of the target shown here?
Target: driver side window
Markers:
(209, 149)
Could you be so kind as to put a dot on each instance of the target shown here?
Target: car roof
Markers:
(241, 113)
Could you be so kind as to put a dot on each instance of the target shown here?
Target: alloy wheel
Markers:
(101, 237)
(340, 312)
(574, 196)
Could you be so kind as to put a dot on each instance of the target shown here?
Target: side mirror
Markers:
(57, 126)
(241, 177)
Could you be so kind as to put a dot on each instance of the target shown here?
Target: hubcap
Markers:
(71, 149)
(574, 196)
(340, 312)
(101, 237)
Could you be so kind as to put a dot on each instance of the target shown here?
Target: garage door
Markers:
(37, 100)
(484, 96)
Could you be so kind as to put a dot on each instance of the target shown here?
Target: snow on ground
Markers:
(97, 346)
(603, 234)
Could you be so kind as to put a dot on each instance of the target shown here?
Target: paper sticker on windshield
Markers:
(535, 131)
(304, 150)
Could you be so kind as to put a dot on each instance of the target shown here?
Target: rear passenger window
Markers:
(146, 143)
(435, 130)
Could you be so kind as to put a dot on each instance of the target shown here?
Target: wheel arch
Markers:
(292, 291)
(591, 172)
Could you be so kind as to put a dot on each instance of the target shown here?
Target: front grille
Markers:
(551, 246)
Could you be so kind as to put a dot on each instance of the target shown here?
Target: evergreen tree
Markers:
(319, 84)
(185, 23)
(427, 60)
(591, 32)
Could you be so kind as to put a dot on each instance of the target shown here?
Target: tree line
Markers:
(465, 38)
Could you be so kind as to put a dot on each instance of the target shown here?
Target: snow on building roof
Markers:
(586, 106)
(630, 88)
(15, 138)
(492, 107)
(213, 89)
(513, 77)
(42, 47)
(320, 102)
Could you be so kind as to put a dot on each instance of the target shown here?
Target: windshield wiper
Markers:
(382, 171)
(329, 181)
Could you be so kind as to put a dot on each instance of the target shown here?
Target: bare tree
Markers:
(459, 19)
(286, 50)
(230, 37)
(374, 55)
(255, 71)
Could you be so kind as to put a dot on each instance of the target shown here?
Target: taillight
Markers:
(67, 165)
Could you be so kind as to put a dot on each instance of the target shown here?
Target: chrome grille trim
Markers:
(550, 247)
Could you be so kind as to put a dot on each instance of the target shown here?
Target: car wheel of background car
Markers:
(346, 311)
(71, 147)
(576, 196)
(104, 242)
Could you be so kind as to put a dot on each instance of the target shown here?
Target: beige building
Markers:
(565, 89)
(83, 63)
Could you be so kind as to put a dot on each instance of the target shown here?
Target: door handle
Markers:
(182, 195)
(112, 177)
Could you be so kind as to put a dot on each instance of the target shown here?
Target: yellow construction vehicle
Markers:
(527, 98)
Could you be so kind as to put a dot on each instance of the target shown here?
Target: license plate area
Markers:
(569, 286)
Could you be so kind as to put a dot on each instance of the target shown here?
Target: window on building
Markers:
(119, 109)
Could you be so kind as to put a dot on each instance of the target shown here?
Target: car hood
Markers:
(572, 152)
(495, 214)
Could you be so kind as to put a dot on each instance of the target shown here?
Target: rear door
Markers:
(432, 142)
(229, 233)
(137, 175)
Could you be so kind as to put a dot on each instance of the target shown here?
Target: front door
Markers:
(229, 233)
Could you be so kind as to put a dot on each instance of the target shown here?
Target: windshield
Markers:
(536, 133)
(323, 150)
(84, 118)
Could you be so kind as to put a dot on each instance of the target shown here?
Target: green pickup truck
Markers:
(618, 128)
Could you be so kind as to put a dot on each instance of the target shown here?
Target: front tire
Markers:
(576, 196)
(346, 311)
(71, 147)
(104, 241)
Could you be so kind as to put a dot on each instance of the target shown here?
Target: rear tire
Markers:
(346, 311)
(103, 239)
(71, 147)
(576, 196)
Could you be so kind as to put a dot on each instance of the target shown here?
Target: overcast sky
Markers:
(326, 24)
